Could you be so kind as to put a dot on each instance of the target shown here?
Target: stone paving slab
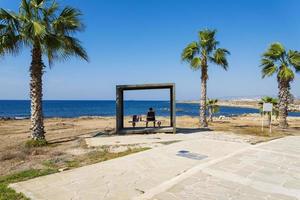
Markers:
(266, 171)
(203, 186)
(126, 177)
(287, 145)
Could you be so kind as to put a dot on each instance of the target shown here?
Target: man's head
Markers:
(150, 109)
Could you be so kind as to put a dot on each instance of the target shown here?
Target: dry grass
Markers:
(51, 167)
(66, 138)
(100, 155)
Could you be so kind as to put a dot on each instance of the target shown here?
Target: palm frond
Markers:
(39, 29)
(10, 44)
(49, 13)
(286, 73)
(51, 46)
(219, 57)
(207, 40)
(275, 52)
(9, 18)
(37, 3)
(10, 40)
(268, 67)
(40, 23)
(212, 104)
(68, 21)
(294, 59)
(190, 52)
(71, 46)
(268, 99)
(25, 8)
(195, 63)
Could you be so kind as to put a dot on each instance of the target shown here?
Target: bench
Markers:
(136, 119)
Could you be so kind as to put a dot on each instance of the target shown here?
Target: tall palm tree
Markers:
(276, 60)
(198, 54)
(213, 107)
(274, 102)
(47, 31)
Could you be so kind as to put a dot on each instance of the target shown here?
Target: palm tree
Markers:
(213, 107)
(198, 55)
(46, 30)
(274, 102)
(276, 60)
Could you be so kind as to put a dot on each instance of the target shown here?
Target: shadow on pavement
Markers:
(191, 130)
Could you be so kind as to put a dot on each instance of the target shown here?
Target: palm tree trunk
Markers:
(269, 119)
(36, 94)
(203, 120)
(283, 103)
(210, 115)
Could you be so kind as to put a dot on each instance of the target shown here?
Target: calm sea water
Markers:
(14, 108)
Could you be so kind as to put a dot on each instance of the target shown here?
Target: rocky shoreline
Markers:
(13, 118)
(246, 104)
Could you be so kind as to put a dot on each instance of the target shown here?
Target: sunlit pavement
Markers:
(200, 168)
(267, 171)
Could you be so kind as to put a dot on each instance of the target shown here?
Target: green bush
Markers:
(7, 193)
(36, 143)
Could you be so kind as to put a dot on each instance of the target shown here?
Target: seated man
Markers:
(150, 117)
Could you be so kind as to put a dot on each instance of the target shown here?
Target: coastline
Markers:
(244, 104)
(229, 103)
(75, 109)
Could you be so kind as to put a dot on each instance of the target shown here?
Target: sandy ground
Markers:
(67, 137)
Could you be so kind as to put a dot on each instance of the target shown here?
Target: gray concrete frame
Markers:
(120, 129)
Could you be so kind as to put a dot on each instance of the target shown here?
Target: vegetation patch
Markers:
(100, 156)
(7, 193)
(53, 166)
(36, 143)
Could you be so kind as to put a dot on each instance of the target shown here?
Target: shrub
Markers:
(36, 143)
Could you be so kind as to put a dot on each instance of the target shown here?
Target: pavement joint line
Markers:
(170, 183)
(259, 185)
(192, 171)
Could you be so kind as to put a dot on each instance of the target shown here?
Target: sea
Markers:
(80, 108)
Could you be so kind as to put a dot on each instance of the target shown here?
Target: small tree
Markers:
(213, 107)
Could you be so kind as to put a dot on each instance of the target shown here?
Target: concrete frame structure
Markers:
(120, 129)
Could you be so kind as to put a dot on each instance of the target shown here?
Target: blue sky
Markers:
(135, 41)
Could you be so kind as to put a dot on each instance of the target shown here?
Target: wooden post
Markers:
(271, 122)
(173, 108)
(119, 109)
(262, 122)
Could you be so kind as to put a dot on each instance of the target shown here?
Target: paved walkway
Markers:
(193, 169)
(266, 171)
